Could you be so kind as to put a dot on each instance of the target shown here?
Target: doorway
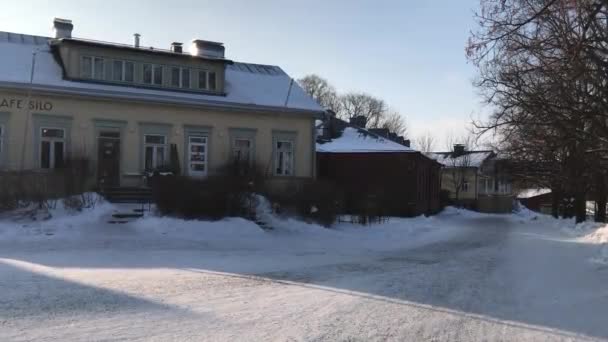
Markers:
(108, 158)
(197, 156)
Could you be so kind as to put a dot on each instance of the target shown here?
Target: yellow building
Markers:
(475, 179)
(125, 106)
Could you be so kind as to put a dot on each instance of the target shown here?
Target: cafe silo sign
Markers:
(37, 105)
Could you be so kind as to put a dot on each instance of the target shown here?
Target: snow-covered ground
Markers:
(456, 276)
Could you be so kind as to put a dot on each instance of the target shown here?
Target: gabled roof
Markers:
(355, 140)
(247, 86)
(529, 193)
(348, 138)
(468, 159)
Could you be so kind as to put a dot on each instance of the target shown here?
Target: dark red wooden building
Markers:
(390, 174)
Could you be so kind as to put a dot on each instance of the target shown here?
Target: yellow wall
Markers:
(84, 112)
(447, 182)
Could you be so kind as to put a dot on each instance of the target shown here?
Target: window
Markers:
(153, 74)
(212, 85)
(504, 187)
(92, 67)
(123, 71)
(202, 79)
(283, 158)
(197, 155)
(180, 77)
(242, 151)
(52, 148)
(207, 80)
(465, 186)
(155, 151)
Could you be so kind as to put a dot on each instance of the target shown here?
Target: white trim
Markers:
(207, 80)
(155, 147)
(205, 154)
(153, 66)
(180, 80)
(51, 141)
(284, 152)
(124, 71)
(93, 69)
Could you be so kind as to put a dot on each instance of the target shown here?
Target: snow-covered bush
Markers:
(317, 201)
(43, 189)
(229, 193)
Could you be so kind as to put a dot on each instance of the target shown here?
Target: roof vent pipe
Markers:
(137, 37)
(62, 28)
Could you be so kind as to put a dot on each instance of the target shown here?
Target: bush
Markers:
(229, 193)
(317, 201)
(44, 188)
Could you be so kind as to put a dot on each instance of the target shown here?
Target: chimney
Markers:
(205, 48)
(62, 28)
(359, 121)
(407, 143)
(137, 39)
(459, 150)
(177, 47)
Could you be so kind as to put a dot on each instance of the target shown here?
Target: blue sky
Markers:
(410, 53)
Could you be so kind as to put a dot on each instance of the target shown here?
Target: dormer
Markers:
(200, 70)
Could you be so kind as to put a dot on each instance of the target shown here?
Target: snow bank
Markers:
(288, 235)
(59, 222)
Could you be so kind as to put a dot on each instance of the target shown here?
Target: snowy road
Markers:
(495, 279)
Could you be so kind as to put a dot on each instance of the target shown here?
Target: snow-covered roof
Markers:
(529, 193)
(469, 159)
(247, 86)
(355, 140)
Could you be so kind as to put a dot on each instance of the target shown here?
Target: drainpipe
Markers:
(28, 111)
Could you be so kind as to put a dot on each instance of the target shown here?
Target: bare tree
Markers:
(320, 90)
(542, 67)
(425, 142)
(394, 122)
(362, 104)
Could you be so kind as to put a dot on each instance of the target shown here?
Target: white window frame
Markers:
(277, 158)
(51, 141)
(504, 187)
(123, 76)
(207, 80)
(153, 68)
(465, 186)
(180, 80)
(93, 69)
(155, 147)
(205, 162)
(235, 148)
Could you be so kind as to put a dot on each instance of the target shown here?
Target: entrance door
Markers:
(108, 158)
(197, 156)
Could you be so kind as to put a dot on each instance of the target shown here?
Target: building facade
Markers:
(476, 180)
(131, 109)
(376, 169)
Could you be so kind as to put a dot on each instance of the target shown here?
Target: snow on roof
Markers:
(529, 193)
(355, 140)
(469, 159)
(246, 86)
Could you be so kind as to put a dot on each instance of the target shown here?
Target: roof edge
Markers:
(162, 99)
